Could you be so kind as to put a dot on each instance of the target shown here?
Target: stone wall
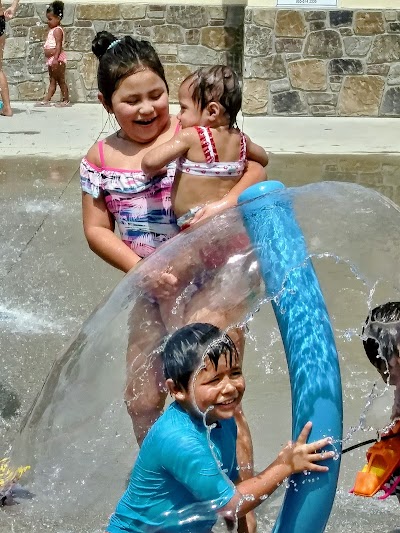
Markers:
(344, 63)
(302, 62)
(185, 37)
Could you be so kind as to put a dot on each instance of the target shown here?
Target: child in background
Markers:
(5, 14)
(56, 58)
(176, 469)
(212, 151)
(381, 339)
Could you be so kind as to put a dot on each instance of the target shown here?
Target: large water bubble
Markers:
(78, 437)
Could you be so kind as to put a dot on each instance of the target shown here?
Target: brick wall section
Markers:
(185, 38)
(339, 63)
(319, 63)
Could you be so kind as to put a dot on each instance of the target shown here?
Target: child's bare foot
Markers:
(6, 111)
(63, 104)
(44, 103)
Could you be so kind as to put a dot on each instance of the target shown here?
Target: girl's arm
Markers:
(158, 157)
(254, 173)
(98, 226)
(58, 36)
(256, 152)
(295, 457)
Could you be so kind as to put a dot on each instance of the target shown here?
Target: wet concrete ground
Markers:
(51, 281)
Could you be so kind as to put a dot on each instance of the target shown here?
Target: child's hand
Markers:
(9, 13)
(164, 286)
(300, 456)
(210, 210)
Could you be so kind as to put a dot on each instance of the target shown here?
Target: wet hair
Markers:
(217, 84)
(119, 58)
(57, 8)
(381, 340)
(185, 350)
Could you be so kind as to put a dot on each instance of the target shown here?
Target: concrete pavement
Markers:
(69, 132)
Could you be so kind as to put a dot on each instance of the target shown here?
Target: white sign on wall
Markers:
(307, 3)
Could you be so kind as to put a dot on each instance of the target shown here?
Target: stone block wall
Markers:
(319, 63)
(304, 62)
(184, 37)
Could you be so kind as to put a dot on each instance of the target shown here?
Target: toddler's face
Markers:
(190, 114)
(52, 20)
(220, 389)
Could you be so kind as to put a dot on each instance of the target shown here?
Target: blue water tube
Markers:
(309, 344)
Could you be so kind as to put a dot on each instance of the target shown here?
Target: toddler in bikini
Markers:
(211, 151)
(56, 58)
(211, 154)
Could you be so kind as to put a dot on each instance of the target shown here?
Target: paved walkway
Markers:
(69, 132)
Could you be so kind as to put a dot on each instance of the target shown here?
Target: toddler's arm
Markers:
(255, 152)
(158, 157)
(294, 457)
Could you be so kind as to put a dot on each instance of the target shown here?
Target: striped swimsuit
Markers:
(140, 206)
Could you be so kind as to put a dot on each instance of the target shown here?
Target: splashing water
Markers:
(78, 438)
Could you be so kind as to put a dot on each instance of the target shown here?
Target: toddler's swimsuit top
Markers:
(51, 41)
(140, 206)
(213, 166)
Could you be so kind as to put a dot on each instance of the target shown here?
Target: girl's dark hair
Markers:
(119, 58)
(217, 84)
(380, 338)
(185, 350)
(56, 7)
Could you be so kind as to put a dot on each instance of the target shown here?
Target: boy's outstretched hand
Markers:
(300, 456)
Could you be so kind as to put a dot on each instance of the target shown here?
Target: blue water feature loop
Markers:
(309, 344)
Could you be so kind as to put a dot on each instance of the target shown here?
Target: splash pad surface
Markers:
(72, 425)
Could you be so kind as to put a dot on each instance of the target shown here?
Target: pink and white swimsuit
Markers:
(213, 166)
(51, 44)
(140, 206)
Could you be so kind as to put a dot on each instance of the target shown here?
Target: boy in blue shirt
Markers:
(186, 468)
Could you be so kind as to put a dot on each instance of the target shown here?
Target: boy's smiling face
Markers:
(216, 391)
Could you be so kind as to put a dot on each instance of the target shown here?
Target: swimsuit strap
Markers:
(207, 144)
(243, 147)
(100, 146)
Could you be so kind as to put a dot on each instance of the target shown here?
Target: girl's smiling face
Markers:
(140, 105)
(217, 391)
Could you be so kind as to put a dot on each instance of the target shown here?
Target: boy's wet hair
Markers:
(217, 84)
(119, 58)
(57, 8)
(380, 339)
(186, 349)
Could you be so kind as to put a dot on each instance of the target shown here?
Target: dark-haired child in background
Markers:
(5, 14)
(56, 59)
(381, 339)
